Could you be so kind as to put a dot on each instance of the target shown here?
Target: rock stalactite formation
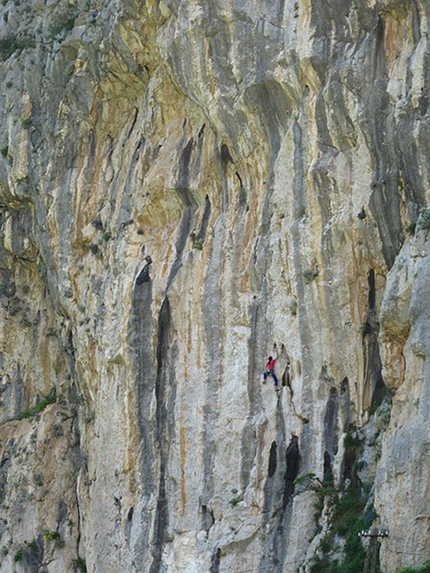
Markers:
(182, 184)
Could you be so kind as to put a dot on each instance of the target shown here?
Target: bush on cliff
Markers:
(425, 568)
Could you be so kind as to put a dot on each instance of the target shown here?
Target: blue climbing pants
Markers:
(272, 374)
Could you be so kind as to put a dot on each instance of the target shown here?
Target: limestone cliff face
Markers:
(182, 184)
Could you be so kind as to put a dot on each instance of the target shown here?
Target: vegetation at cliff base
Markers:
(341, 549)
(354, 555)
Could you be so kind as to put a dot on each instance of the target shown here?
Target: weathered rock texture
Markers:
(183, 183)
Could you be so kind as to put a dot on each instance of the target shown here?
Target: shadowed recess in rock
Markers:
(201, 235)
(243, 198)
(4, 467)
(183, 235)
(208, 518)
(215, 561)
(32, 557)
(292, 456)
(128, 525)
(226, 158)
(62, 512)
(143, 276)
(331, 432)
(197, 166)
(345, 404)
(385, 198)
(183, 181)
(371, 297)
(350, 455)
(279, 490)
(274, 485)
(273, 459)
(373, 383)
(271, 100)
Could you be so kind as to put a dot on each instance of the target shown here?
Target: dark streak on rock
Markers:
(183, 181)
(201, 236)
(161, 518)
(143, 276)
(133, 123)
(273, 460)
(292, 456)
(215, 561)
(139, 338)
(331, 428)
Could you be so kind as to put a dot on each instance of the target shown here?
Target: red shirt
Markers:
(271, 365)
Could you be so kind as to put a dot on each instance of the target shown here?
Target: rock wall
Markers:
(182, 184)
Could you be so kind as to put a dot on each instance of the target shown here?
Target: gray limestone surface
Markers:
(184, 183)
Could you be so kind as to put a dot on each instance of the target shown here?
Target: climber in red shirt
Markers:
(270, 368)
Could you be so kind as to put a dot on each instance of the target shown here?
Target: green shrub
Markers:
(355, 555)
(12, 44)
(197, 242)
(64, 25)
(324, 565)
(38, 479)
(347, 509)
(309, 275)
(80, 564)
(50, 399)
(33, 545)
(50, 535)
(351, 442)
(411, 228)
(18, 556)
(424, 219)
(347, 519)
